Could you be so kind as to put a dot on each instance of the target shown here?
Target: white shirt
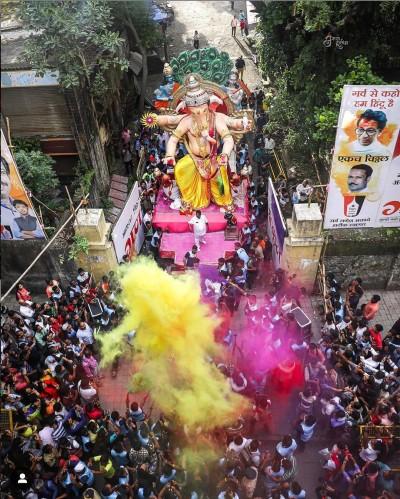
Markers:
(87, 393)
(85, 335)
(286, 451)
(172, 192)
(147, 218)
(375, 149)
(46, 436)
(26, 311)
(269, 144)
(241, 253)
(304, 191)
(199, 225)
(238, 448)
(82, 278)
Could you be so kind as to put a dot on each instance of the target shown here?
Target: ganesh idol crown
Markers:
(201, 115)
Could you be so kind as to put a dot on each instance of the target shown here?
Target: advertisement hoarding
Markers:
(127, 234)
(364, 187)
(18, 218)
(276, 225)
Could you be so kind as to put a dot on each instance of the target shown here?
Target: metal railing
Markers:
(6, 420)
(277, 169)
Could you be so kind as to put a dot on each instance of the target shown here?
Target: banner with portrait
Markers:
(127, 234)
(18, 218)
(276, 227)
(364, 187)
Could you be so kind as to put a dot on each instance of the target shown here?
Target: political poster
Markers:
(127, 234)
(364, 187)
(276, 226)
(18, 218)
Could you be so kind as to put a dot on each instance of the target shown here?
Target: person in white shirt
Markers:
(242, 254)
(82, 278)
(85, 334)
(87, 392)
(238, 444)
(234, 25)
(269, 144)
(304, 190)
(171, 192)
(287, 446)
(45, 435)
(25, 309)
(148, 216)
(200, 226)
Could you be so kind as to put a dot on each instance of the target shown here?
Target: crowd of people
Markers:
(64, 444)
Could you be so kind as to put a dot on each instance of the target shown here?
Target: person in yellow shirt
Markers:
(106, 467)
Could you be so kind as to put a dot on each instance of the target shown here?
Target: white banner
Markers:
(127, 234)
(364, 188)
(276, 226)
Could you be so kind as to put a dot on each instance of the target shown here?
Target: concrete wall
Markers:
(16, 256)
(372, 254)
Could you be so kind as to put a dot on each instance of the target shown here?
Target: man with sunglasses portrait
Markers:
(369, 127)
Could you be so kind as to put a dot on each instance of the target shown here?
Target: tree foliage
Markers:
(301, 68)
(74, 37)
(359, 73)
(37, 172)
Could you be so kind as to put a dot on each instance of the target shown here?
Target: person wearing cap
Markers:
(83, 474)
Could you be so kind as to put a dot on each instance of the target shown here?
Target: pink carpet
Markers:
(176, 245)
(172, 221)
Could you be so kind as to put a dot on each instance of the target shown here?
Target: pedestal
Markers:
(101, 258)
(303, 245)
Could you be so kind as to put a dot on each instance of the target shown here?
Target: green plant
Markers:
(359, 72)
(80, 244)
(82, 183)
(37, 172)
(307, 75)
(28, 144)
(107, 204)
(74, 38)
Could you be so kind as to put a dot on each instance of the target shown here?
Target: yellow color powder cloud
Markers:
(175, 340)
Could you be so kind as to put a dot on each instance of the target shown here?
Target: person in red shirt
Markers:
(22, 293)
(376, 336)
(371, 308)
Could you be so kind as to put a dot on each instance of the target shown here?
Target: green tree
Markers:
(359, 72)
(37, 172)
(75, 38)
(301, 67)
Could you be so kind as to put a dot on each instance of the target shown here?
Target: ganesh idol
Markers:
(202, 175)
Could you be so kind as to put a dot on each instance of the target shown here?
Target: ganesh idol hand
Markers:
(246, 123)
(169, 161)
(223, 159)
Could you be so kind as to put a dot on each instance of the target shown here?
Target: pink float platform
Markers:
(175, 246)
(172, 221)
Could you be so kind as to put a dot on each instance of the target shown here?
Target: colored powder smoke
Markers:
(176, 342)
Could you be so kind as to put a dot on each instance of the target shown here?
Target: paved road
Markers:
(212, 20)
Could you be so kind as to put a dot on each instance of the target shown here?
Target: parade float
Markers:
(199, 104)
